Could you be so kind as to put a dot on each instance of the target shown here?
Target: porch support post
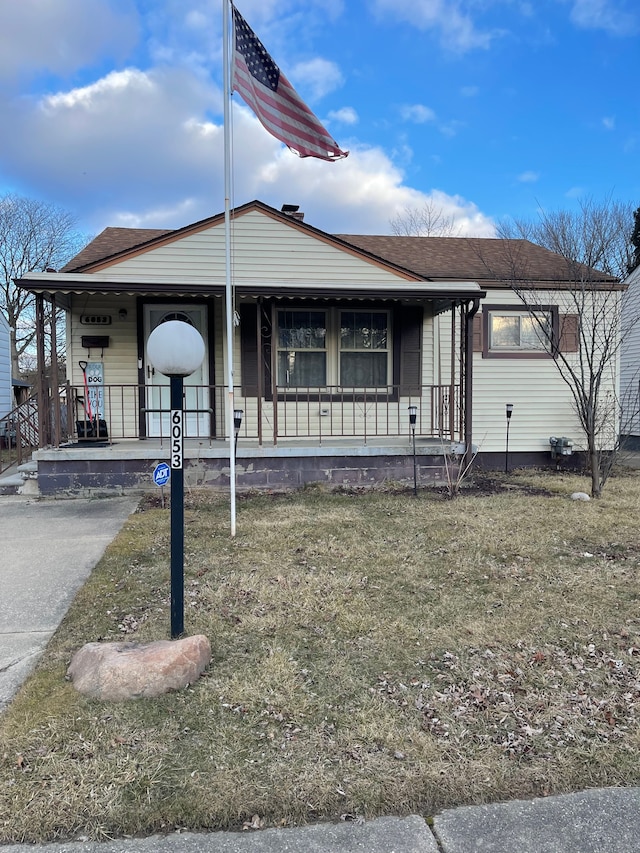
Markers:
(260, 367)
(41, 388)
(469, 313)
(55, 380)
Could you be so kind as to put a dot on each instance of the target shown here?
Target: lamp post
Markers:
(413, 415)
(237, 423)
(176, 349)
(506, 453)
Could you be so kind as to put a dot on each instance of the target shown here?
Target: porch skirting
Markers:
(85, 471)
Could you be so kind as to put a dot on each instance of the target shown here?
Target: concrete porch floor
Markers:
(127, 465)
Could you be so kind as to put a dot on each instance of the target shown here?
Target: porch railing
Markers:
(318, 414)
(19, 434)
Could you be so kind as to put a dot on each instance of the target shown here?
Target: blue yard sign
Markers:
(161, 474)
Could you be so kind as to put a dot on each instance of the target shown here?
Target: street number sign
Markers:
(176, 438)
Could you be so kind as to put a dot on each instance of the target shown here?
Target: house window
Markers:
(519, 332)
(364, 349)
(319, 348)
(302, 348)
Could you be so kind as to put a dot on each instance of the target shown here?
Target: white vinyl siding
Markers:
(263, 249)
(542, 404)
(6, 396)
(630, 358)
(119, 359)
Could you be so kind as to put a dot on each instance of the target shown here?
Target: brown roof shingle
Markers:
(111, 241)
(485, 260)
(481, 259)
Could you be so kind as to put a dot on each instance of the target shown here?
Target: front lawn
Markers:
(373, 654)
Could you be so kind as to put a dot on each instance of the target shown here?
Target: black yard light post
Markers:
(237, 423)
(413, 416)
(176, 349)
(506, 453)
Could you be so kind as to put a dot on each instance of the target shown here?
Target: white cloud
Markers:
(469, 91)
(345, 115)
(528, 177)
(456, 27)
(609, 15)
(317, 77)
(60, 36)
(417, 113)
(609, 122)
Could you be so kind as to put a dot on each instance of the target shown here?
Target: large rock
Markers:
(115, 671)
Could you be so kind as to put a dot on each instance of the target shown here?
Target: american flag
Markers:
(273, 99)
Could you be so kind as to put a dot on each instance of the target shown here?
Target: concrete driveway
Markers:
(47, 551)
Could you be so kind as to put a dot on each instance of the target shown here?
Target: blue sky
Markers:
(483, 109)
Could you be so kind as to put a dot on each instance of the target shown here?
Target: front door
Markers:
(197, 417)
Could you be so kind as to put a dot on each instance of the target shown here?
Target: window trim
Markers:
(487, 352)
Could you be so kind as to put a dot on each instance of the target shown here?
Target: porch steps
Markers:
(22, 480)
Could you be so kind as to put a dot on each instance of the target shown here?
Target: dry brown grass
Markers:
(373, 654)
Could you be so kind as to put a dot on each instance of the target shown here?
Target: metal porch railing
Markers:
(317, 414)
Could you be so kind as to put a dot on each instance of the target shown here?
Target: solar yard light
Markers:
(237, 423)
(506, 453)
(413, 416)
(176, 349)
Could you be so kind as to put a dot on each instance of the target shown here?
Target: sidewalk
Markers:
(598, 821)
(50, 548)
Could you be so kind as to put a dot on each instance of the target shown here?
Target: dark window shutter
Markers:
(408, 329)
(568, 332)
(477, 332)
(249, 349)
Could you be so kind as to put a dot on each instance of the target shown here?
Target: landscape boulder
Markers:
(115, 671)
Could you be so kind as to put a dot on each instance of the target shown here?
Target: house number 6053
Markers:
(176, 438)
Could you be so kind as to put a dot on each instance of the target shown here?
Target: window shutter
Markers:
(569, 332)
(249, 349)
(409, 334)
(477, 332)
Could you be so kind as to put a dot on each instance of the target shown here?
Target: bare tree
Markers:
(595, 243)
(426, 221)
(34, 236)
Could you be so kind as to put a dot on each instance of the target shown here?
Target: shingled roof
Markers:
(488, 261)
(483, 259)
(112, 241)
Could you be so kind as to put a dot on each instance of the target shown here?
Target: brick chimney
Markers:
(292, 210)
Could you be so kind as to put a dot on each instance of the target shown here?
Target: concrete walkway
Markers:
(49, 549)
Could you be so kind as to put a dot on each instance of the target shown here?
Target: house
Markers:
(6, 395)
(335, 336)
(630, 366)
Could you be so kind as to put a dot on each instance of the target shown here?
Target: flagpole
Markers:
(227, 253)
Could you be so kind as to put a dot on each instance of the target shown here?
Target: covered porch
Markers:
(98, 436)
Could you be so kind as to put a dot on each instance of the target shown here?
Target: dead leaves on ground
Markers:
(527, 701)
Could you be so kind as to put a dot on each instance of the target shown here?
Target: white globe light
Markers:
(175, 348)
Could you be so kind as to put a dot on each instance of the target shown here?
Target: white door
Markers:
(158, 403)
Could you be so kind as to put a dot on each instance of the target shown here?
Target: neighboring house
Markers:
(6, 396)
(630, 365)
(335, 337)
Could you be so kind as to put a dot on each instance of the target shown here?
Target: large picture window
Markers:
(333, 347)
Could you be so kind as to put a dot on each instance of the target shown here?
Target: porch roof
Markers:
(106, 283)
